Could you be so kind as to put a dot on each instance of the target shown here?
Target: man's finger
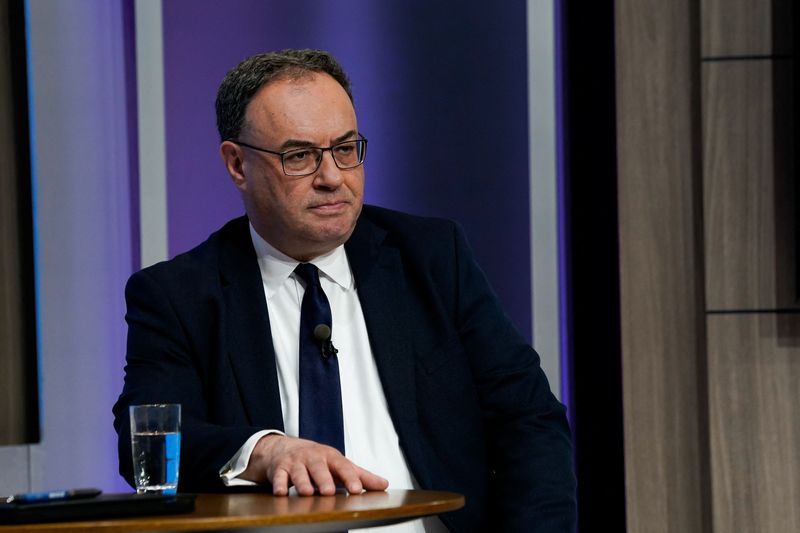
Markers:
(372, 481)
(300, 479)
(347, 473)
(357, 479)
(280, 483)
(320, 473)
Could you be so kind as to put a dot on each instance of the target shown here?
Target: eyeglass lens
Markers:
(348, 154)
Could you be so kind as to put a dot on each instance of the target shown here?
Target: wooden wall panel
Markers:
(748, 185)
(707, 222)
(746, 27)
(754, 370)
(660, 232)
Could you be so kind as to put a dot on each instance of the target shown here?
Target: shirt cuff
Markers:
(230, 472)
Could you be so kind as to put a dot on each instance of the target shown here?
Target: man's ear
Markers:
(231, 154)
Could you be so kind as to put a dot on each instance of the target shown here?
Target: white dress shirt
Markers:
(370, 438)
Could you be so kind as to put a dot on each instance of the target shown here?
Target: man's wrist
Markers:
(231, 473)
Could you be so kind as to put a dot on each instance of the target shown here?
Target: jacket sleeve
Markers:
(163, 365)
(531, 480)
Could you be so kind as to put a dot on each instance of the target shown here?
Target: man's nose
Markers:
(328, 175)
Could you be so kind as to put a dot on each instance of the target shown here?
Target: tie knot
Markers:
(309, 273)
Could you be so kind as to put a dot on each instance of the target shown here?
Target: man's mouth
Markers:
(329, 207)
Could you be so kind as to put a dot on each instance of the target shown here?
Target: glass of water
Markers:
(156, 444)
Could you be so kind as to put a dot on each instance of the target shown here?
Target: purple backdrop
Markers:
(440, 92)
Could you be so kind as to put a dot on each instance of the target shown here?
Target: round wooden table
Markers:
(295, 514)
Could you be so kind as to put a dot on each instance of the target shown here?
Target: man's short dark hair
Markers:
(244, 81)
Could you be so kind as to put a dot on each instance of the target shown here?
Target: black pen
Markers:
(56, 495)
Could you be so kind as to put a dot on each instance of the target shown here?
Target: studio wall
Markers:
(82, 179)
(441, 94)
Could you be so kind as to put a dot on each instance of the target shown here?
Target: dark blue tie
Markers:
(320, 391)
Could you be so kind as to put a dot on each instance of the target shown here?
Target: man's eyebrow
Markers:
(297, 143)
(294, 143)
(345, 137)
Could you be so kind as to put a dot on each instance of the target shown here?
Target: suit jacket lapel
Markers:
(380, 282)
(246, 330)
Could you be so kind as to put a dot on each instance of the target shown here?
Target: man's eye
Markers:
(297, 155)
(344, 149)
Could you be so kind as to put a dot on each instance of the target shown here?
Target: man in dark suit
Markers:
(434, 388)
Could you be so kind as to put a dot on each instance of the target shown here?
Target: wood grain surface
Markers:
(754, 369)
(746, 27)
(294, 513)
(748, 185)
(661, 269)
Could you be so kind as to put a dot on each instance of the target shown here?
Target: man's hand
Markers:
(286, 461)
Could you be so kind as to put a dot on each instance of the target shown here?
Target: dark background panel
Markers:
(19, 415)
(591, 237)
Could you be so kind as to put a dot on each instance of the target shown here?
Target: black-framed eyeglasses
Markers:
(306, 160)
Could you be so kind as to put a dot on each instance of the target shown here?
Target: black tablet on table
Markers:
(103, 506)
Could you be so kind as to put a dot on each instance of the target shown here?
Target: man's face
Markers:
(304, 216)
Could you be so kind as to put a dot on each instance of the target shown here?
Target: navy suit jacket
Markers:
(472, 408)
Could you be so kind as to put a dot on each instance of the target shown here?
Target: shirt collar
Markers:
(276, 267)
